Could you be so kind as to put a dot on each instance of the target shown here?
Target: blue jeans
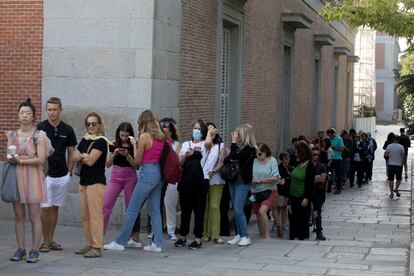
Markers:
(238, 194)
(149, 185)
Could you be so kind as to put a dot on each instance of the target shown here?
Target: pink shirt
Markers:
(153, 154)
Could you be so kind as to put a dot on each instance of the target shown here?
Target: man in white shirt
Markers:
(395, 154)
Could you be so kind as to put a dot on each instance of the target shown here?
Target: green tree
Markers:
(405, 84)
(394, 17)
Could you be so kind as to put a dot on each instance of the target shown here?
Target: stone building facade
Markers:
(272, 63)
(386, 63)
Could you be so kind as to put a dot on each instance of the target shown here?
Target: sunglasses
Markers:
(93, 124)
(316, 154)
(165, 124)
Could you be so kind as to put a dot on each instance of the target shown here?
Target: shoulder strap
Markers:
(189, 144)
(218, 156)
(90, 147)
(35, 136)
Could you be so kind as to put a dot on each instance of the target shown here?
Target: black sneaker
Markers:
(320, 237)
(397, 193)
(33, 257)
(195, 245)
(406, 177)
(180, 243)
(20, 254)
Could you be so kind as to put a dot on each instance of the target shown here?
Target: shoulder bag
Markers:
(78, 165)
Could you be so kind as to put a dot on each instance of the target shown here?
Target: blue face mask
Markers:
(197, 134)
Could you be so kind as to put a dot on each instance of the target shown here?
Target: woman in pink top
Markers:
(31, 146)
(147, 155)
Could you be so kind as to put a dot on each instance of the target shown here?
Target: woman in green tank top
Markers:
(301, 185)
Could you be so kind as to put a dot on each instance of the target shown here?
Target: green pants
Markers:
(212, 214)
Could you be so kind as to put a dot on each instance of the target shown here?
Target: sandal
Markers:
(55, 246)
(93, 253)
(218, 241)
(44, 248)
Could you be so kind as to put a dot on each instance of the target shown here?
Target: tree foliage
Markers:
(394, 17)
(405, 84)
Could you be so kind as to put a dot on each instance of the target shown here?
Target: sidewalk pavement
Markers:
(368, 234)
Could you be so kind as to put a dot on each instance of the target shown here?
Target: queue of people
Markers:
(293, 189)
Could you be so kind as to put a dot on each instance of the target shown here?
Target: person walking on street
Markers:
(396, 154)
(30, 147)
(319, 193)
(406, 143)
(63, 140)
(92, 153)
(390, 140)
(337, 145)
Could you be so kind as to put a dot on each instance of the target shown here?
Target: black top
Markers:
(245, 156)
(405, 142)
(121, 160)
(94, 174)
(309, 180)
(319, 188)
(60, 137)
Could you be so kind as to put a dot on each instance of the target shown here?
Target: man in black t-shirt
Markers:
(406, 143)
(63, 140)
(318, 193)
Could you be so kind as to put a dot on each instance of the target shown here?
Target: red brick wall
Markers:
(262, 69)
(379, 55)
(379, 97)
(198, 63)
(21, 44)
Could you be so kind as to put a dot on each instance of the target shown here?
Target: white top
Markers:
(396, 154)
(210, 163)
(190, 144)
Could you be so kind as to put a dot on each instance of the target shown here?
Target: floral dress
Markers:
(30, 179)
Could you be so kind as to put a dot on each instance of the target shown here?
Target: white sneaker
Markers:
(114, 246)
(235, 240)
(152, 247)
(172, 237)
(245, 241)
(133, 244)
(150, 236)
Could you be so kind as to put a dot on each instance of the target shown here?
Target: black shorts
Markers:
(394, 171)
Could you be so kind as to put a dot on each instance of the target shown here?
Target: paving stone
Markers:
(389, 251)
(347, 272)
(350, 249)
(295, 269)
(334, 255)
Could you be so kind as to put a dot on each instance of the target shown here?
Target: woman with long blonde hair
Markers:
(147, 155)
(92, 152)
(242, 150)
